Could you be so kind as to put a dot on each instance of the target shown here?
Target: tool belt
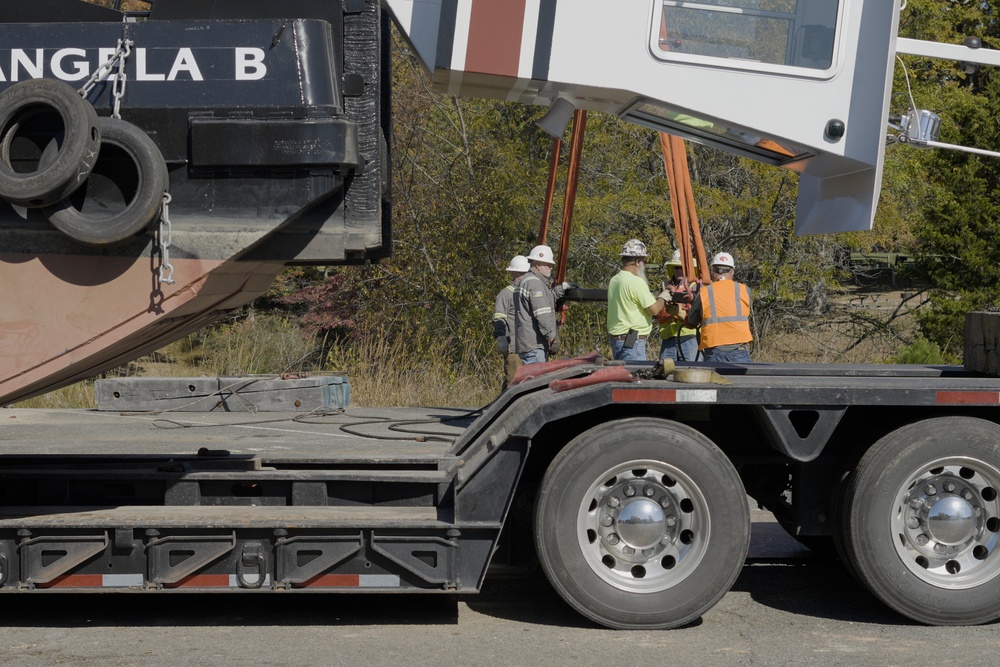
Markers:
(624, 336)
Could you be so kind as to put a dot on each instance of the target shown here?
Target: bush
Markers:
(920, 351)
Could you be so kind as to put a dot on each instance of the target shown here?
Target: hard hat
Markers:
(634, 248)
(519, 264)
(724, 259)
(675, 259)
(541, 253)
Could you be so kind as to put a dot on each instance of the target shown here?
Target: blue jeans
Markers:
(637, 353)
(689, 348)
(739, 355)
(535, 356)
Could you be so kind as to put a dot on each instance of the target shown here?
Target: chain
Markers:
(119, 57)
(118, 88)
(166, 237)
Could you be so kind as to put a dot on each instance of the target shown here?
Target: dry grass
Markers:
(387, 371)
(380, 372)
(387, 374)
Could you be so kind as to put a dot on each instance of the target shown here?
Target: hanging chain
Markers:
(118, 87)
(166, 237)
(119, 57)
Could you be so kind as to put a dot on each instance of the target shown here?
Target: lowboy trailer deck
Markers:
(632, 493)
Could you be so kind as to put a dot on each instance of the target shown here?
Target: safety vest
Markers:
(725, 307)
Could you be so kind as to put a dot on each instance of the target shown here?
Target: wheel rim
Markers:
(643, 526)
(947, 523)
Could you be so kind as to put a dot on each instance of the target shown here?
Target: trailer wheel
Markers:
(642, 523)
(49, 140)
(123, 194)
(923, 520)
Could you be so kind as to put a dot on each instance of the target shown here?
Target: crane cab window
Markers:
(711, 133)
(782, 36)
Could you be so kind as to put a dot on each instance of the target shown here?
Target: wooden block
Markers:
(982, 343)
(254, 393)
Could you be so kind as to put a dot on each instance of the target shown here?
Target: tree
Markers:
(956, 233)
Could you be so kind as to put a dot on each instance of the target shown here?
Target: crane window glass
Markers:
(712, 133)
(751, 34)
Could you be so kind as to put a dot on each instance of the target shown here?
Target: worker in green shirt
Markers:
(631, 306)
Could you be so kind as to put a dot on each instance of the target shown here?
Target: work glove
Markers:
(504, 344)
(554, 346)
(666, 295)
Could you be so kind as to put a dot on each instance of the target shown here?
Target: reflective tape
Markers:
(967, 397)
(629, 395)
(353, 581)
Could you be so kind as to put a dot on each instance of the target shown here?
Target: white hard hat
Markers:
(724, 259)
(634, 248)
(541, 253)
(519, 264)
(675, 259)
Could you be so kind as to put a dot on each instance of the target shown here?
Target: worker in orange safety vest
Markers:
(722, 310)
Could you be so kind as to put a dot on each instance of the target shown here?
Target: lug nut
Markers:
(665, 540)
(647, 552)
(671, 521)
(967, 494)
(978, 511)
(915, 504)
(930, 489)
(613, 539)
(613, 502)
(629, 490)
(665, 502)
(940, 548)
(607, 520)
(913, 522)
(648, 491)
(922, 539)
(628, 551)
(949, 487)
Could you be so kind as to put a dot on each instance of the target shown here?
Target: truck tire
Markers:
(923, 520)
(641, 523)
(123, 194)
(49, 141)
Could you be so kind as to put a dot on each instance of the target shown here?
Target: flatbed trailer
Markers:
(631, 494)
(159, 168)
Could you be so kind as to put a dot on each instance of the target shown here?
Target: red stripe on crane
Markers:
(495, 37)
(967, 398)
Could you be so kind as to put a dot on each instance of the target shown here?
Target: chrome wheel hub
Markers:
(947, 523)
(643, 526)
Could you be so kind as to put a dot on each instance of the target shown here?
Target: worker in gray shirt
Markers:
(535, 335)
(503, 319)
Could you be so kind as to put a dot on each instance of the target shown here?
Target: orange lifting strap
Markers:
(686, 225)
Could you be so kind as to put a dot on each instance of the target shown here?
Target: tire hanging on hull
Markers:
(49, 141)
(124, 193)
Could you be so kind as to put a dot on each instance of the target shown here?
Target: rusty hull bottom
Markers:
(66, 318)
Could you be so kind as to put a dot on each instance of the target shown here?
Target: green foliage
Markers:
(955, 231)
(920, 351)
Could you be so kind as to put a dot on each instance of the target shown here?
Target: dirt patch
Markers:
(859, 326)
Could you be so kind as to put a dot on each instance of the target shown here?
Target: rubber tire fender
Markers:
(130, 161)
(55, 111)
(562, 494)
